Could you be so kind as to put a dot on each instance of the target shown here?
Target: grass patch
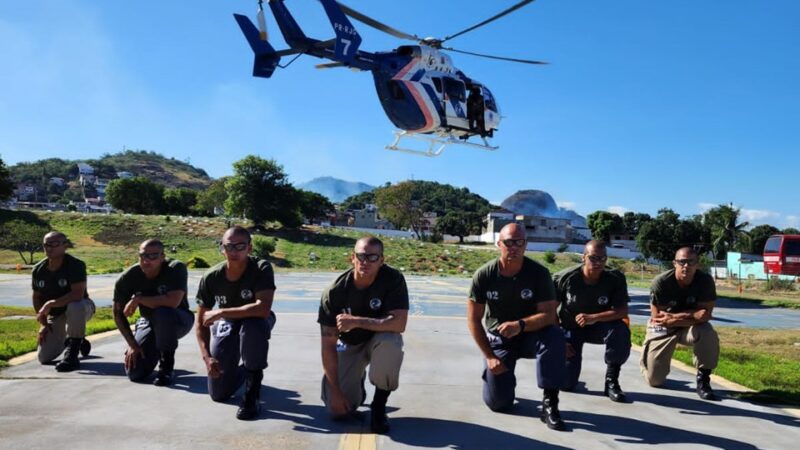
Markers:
(767, 361)
(18, 337)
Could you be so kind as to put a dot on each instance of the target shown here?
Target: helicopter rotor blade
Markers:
(330, 65)
(366, 20)
(501, 58)
(491, 19)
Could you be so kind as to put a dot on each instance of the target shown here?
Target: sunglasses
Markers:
(597, 259)
(152, 256)
(371, 257)
(54, 244)
(513, 242)
(237, 246)
(686, 262)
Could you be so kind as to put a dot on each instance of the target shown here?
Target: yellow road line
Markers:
(358, 441)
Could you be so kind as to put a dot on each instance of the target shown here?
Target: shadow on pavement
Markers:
(705, 408)
(90, 367)
(438, 433)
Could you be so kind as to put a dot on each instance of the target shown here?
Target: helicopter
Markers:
(422, 93)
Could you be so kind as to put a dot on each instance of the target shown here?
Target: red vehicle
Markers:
(782, 255)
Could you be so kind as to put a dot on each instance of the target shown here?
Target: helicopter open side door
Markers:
(455, 102)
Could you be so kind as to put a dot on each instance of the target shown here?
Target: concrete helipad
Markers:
(438, 404)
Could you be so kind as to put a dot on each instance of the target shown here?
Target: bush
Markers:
(549, 257)
(263, 246)
(779, 284)
(197, 262)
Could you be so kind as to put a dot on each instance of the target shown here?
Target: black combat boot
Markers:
(165, 367)
(251, 404)
(69, 361)
(613, 389)
(550, 415)
(704, 385)
(86, 347)
(379, 423)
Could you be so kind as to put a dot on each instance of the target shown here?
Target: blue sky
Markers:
(680, 104)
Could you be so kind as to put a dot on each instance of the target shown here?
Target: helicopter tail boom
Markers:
(266, 59)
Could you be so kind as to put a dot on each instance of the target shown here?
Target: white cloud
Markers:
(705, 206)
(791, 221)
(758, 216)
(566, 204)
(619, 210)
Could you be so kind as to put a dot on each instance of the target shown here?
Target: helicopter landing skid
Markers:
(436, 144)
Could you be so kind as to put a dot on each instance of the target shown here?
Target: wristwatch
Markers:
(521, 323)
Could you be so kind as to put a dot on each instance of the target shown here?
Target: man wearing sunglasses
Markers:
(243, 287)
(62, 304)
(517, 298)
(681, 302)
(593, 301)
(361, 316)
(157, 288)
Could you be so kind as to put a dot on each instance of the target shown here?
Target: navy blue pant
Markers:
(546, 345)
(238, 339)
(159, 333)
(615, 335)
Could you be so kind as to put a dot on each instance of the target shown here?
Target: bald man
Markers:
(362, 316)
(681, 302)
(239, 330)
(593, 301)
(62, 304)
(156, 287)
(517, 298)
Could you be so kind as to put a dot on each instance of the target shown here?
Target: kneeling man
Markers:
(516, 295)
(681, 302)
(157, 287)
(362, 316)
(240, 328)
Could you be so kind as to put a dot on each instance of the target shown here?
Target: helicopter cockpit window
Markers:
(488, 100)
(395, 90)
(437, 83)
(455, 89)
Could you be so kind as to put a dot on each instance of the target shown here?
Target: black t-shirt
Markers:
(511, 298)
(52, 285)
(172, 277)
(575, 296)
(670, 297)
(387, 293)
(216, 289)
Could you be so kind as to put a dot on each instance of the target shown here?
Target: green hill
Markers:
(169, 172)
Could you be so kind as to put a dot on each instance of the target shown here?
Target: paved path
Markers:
(430, 296)
(438, 404)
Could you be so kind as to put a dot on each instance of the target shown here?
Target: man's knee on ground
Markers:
(653, 379)
(219, 396)
(47, 356)
(499, 404)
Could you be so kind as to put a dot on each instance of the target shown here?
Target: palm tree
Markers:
(727, 233)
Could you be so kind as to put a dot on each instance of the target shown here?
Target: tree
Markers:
(727, 233)
(666, 233)
(314, 206)
(212, 198)
(603, 223)
(359, 201)
(455, 224)
(260, 191)
(397, 205)
(136, 195)
(24, 237)
(790, 230)
(6, 186)
(632, 222)
(179, 200)
(759, 236)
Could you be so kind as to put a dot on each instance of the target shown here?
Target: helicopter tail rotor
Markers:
(266, 59)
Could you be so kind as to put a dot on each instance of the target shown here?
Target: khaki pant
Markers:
(657, 350)
(384, 355)
(72, 323)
